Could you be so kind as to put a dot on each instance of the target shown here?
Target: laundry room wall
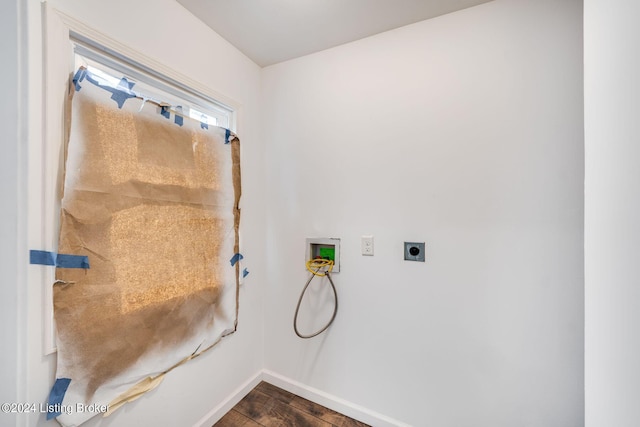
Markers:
(464, 132)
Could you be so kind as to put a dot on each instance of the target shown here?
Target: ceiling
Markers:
(272, 31)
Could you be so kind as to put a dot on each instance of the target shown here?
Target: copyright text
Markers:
(43, 408)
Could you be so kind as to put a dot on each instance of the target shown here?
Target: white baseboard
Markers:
(337, 404)
(219, 411)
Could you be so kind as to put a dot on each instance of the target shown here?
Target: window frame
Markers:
(63, 37)
(149, 82)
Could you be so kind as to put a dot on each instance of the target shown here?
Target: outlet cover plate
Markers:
(414, 251)
(366, 244)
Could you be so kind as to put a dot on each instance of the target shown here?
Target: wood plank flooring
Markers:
(270, 406)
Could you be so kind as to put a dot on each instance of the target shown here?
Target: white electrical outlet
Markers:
(366, 244)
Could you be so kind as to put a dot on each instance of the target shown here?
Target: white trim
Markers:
(330, 401)
(22, 211)
(232, 400)
(47, 178)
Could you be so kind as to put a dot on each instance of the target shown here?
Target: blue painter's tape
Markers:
(122, 92)
(179, 120)
(56, 397)
(227, 134)
(42, 257)
(245, 273)
(164, 111)
(235, 259)
(78, 77)
(72, 261)
(58, 260)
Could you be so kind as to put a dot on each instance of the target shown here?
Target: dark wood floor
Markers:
(270, 406)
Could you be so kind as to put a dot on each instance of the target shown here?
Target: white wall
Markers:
(612, 212)
(12, 206)
(164, 31)
(464, 131)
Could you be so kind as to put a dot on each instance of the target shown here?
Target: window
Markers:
(68, 44)
(111, 66)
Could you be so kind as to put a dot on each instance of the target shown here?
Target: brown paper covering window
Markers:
(154, 206)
